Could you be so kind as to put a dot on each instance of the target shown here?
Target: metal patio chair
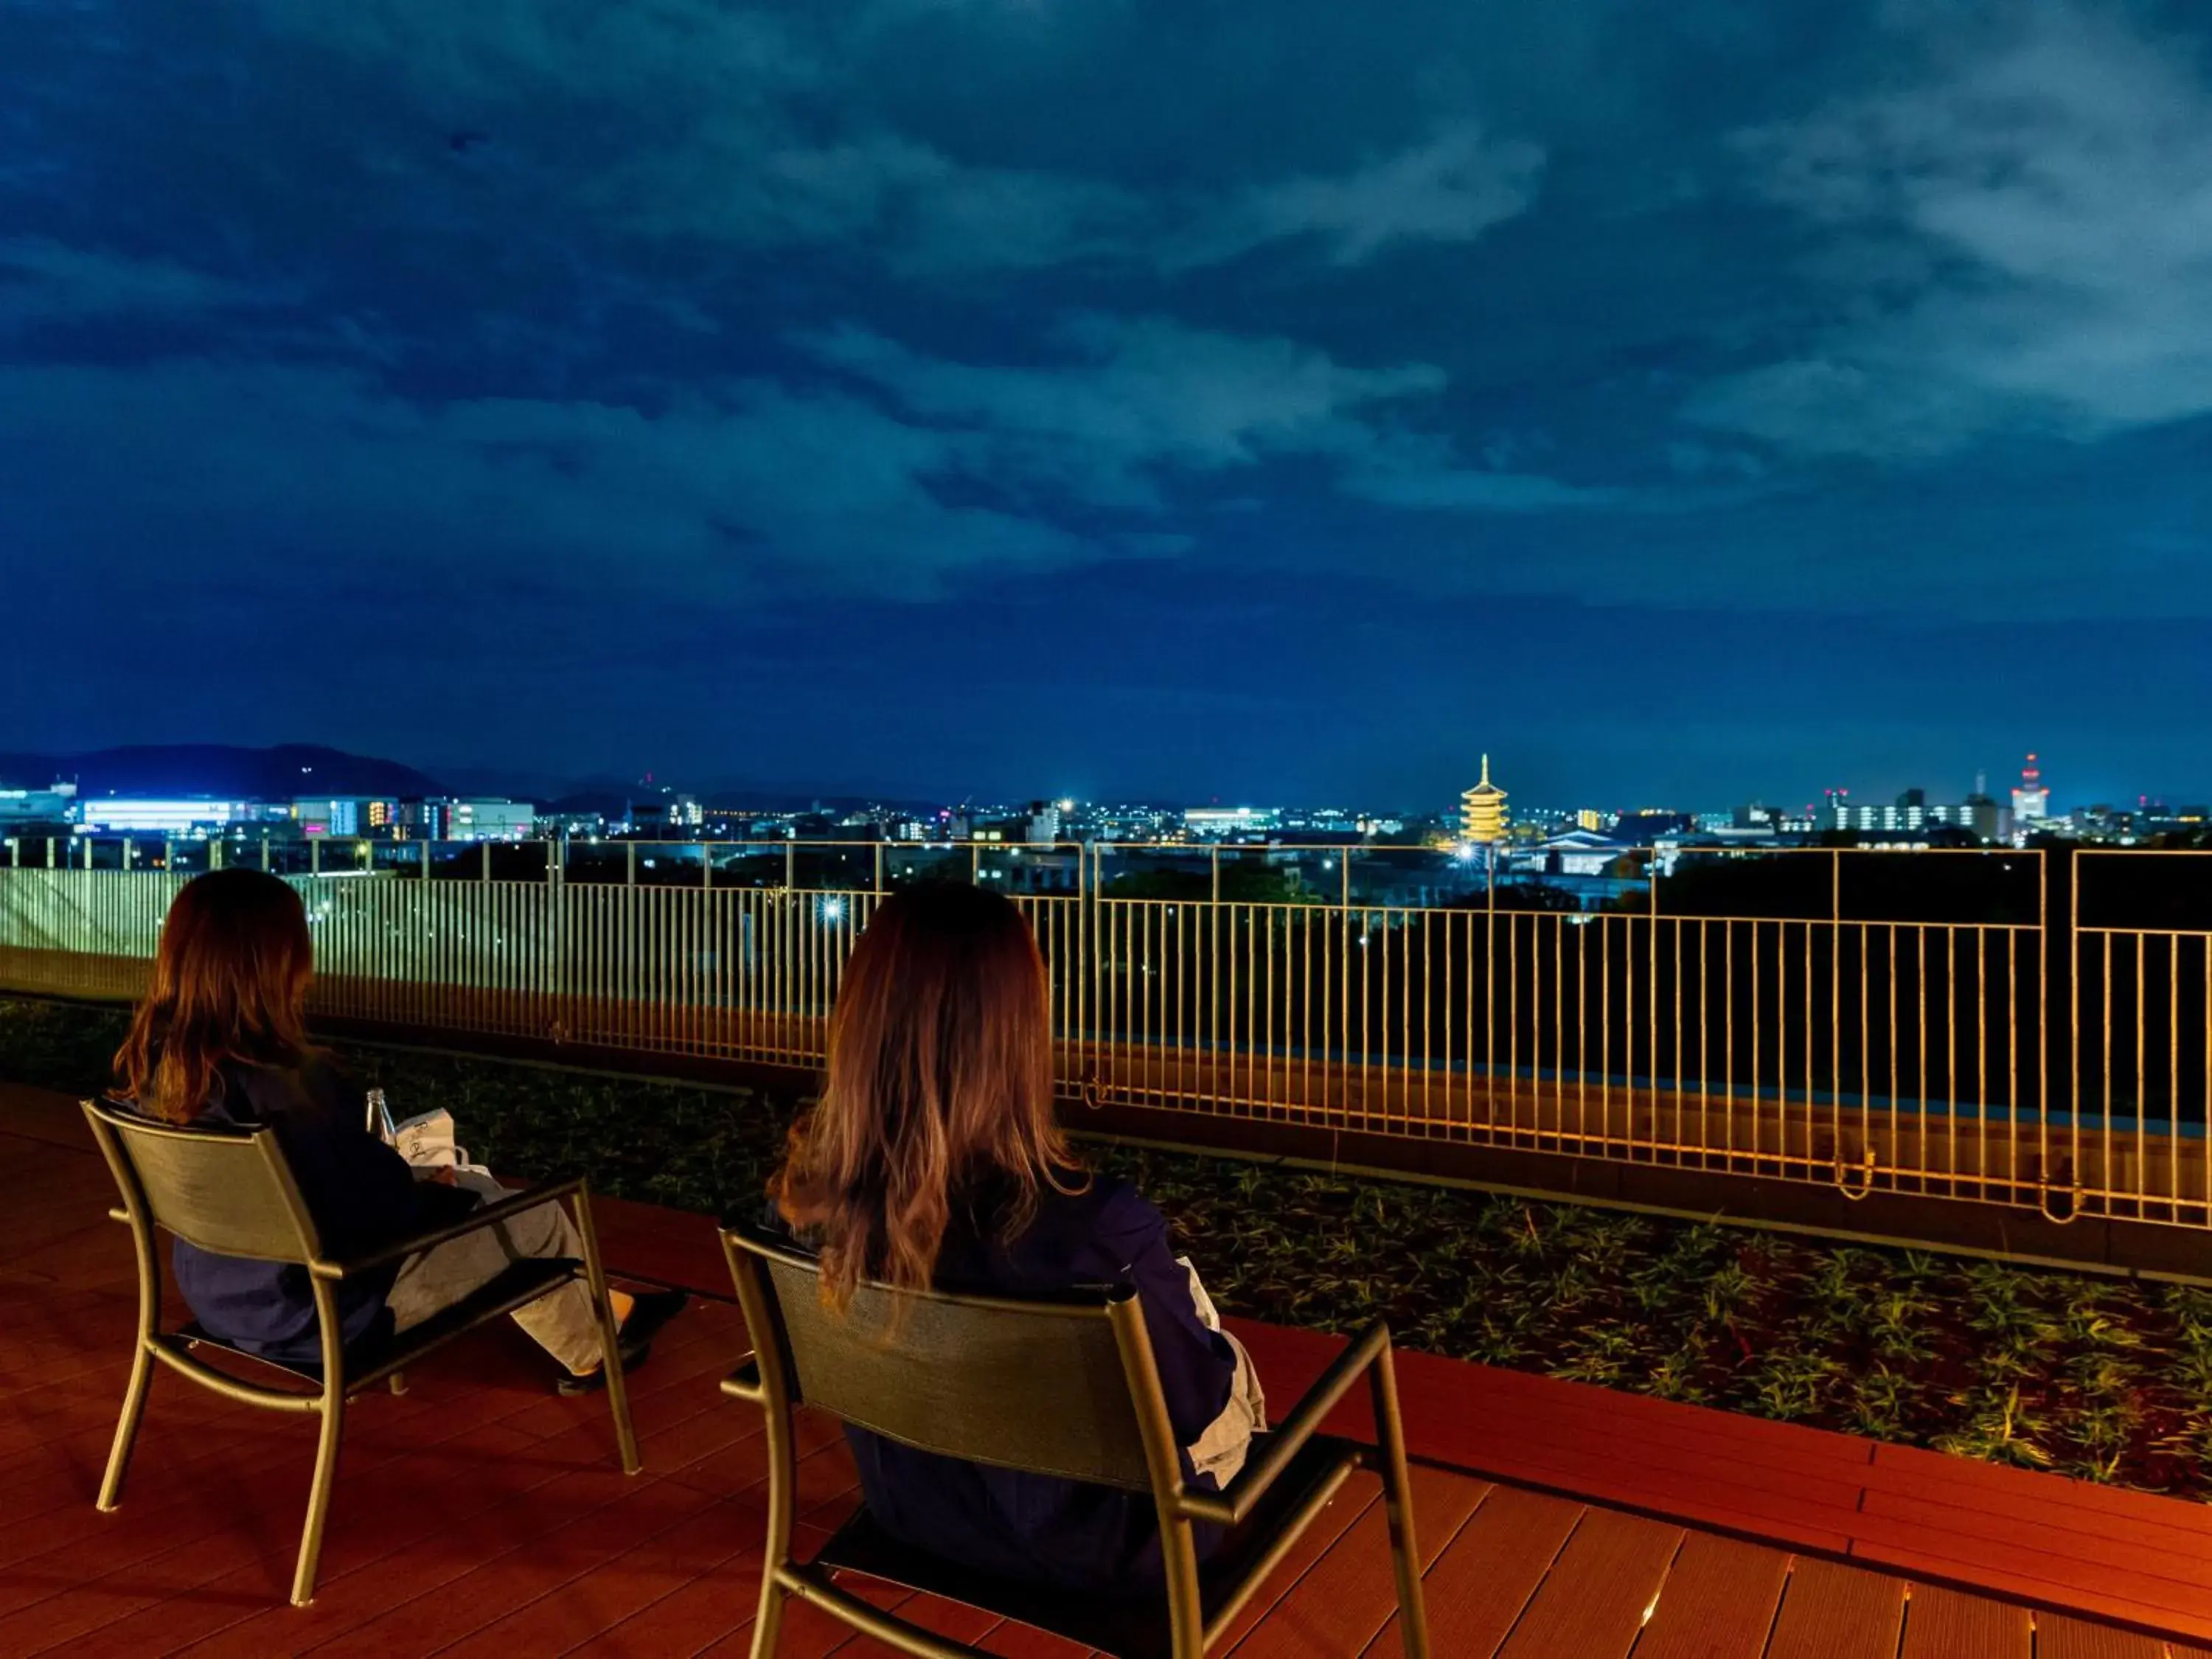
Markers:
(230, 1191)
(1061, 1384)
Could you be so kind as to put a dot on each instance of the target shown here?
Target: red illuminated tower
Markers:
(2031, 796)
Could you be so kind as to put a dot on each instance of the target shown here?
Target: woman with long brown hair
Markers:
(221, 1038)
(932, 1158)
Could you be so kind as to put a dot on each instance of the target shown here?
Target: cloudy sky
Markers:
(1205, 397)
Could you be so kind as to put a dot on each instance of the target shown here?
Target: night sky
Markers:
(1682, 401)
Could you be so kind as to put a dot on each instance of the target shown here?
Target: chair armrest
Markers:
(528, 1198)
(1237, 1499)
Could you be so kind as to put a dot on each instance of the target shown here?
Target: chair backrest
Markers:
(226, 1190)
(1034, 1383)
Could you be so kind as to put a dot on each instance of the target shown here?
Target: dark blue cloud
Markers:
(1178, 402)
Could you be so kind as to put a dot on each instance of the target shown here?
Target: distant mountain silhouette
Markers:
(295, 770)
(199, 769)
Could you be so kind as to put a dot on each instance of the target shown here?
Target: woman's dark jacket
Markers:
(361, 1194)
(1045, 1527)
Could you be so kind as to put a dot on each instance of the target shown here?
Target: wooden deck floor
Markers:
(481, 1514)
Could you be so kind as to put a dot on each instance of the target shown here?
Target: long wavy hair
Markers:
(938, 1088)
(230, 983)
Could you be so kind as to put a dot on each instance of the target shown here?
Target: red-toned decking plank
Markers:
(250, 1555)
(1477, 1588)
(133, 1547)
(950, 1619)
(669, 1246)
(2060, 1637)
(1777, 1511)
(719, 1598)
(575, 1532)
(398, 1490)
(152, 1552)
(807, 1633)
(508, 1500)
(1012, 1641)
(1578, 1444)
(1944, 1624)
(2020, 1582)
(176, 1439)
(1833, 1612)
(1438, 1393)
(1352, 1501)
(43, 1114)
(2068, 1578)
(716, 1547)
(2131, 1548)
(1718, 1602)
(1592, 1602)
(2031, 1495)
(1350, 1594)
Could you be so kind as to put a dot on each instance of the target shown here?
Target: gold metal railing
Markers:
(2011, 1027)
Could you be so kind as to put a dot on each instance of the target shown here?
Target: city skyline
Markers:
(20, 774)
(1673, 402)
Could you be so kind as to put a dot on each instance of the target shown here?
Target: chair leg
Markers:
(1185, 1610)
(126, 1427)
(1398, 1508)
(595, 1277)
(318, 1495)
(767, 1623)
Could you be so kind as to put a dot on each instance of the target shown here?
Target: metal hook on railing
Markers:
(1867, 1169)
(2042, 1190)
(1090, 1090)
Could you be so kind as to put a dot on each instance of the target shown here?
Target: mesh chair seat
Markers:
(1125, 1626)
(375, 1357)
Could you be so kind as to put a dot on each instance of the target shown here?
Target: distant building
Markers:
(125, 816)
(1977, 815)
(1231, 820)
(46, 809)
(345, 816)
(1982, 815)
(1580, 853)
(1322, 821)
(441, 818)
(1895, 817)
(1649, 823)
(1044, 822)
(1482, 811)
(666, 814)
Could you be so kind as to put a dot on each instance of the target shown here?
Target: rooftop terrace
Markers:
(479, 1513)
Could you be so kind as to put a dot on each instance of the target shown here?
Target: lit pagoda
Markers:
(1482, 811)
